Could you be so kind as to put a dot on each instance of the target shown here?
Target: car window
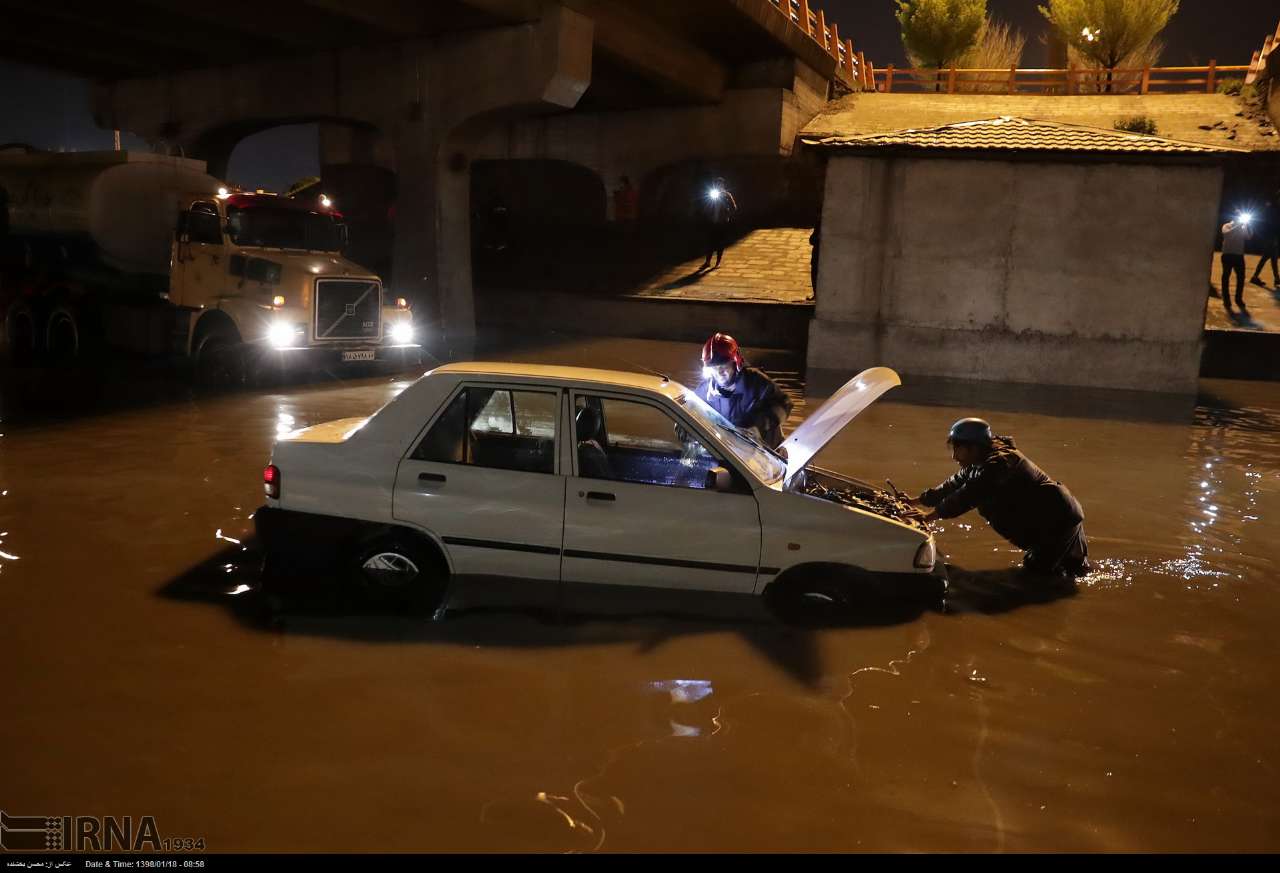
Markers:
(203, 224)
(630, 441)
(495, 428)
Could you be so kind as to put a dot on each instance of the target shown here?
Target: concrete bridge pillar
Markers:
(471, 85)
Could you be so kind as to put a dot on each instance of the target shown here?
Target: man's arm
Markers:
(976, 488)
(931, 497)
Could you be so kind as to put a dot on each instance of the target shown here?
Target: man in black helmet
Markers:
(1016, 498)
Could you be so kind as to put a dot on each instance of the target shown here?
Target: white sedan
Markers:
(579, 477)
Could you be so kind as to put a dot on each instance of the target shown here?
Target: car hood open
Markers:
(831, 417)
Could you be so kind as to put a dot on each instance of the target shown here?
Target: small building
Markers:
(1011, 249)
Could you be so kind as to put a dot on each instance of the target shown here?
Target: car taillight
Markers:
(271, 481)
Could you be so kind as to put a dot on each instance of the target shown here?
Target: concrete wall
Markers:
(1057, 273)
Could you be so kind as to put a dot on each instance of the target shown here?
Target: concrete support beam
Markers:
(658, 54)
(779, 26)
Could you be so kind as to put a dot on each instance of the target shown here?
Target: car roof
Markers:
(563, 374)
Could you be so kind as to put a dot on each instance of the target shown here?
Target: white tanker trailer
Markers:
(150, 254)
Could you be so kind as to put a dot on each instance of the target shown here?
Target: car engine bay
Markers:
(826, 485)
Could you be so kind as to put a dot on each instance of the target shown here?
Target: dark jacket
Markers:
(750, 402)
(1015, 496)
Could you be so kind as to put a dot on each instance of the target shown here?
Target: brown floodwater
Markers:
(144, 675)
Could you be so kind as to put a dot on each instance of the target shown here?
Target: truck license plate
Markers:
(359, 355)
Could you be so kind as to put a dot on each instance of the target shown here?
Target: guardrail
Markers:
(1078, 81)
(1259, 64)
(814, 24)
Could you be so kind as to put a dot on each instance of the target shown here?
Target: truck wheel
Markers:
(62, 334)
(21, 334)
(400, 572)
(219, 360)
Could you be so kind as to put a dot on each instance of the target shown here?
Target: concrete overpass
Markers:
(424, 90)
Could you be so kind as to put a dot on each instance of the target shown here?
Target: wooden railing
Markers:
(1017, 80)
(814, 24)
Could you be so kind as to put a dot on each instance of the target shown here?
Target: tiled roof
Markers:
(1008, 133)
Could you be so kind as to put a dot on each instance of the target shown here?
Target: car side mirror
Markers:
(719, 479)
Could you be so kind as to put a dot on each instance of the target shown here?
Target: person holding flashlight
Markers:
(1235, 234)
(745, 396)
(1266, 226)
(719, 208)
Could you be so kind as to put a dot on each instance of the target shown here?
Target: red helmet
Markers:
(721, 349)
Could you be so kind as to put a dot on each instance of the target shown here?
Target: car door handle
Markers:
(431, 477)
(600, 495)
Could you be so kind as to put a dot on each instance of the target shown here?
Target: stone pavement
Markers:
(1262, 303)
(766, 265)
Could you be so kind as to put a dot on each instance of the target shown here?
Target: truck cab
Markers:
(268, 272)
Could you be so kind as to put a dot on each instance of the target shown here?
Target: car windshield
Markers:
(767, 466)
(283, 229)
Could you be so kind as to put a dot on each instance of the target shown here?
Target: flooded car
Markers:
(567, 475)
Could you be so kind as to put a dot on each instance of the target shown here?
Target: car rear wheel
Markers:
(398, 571)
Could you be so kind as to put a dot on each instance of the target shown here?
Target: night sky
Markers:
(51, 111)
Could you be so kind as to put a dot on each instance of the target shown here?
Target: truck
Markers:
(150, 254)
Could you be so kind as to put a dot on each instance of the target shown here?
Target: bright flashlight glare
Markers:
(402, 332)
(280, 334)
(223, 193)
(325, 201)
(707, 372)
(714, 193)
(1245, 217)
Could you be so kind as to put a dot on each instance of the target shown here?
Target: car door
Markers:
(638, 510)
(484, 477)
(200, 257)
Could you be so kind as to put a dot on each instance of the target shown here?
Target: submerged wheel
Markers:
(21, 334)
(399, 571)
(220, 360)
(62, 334)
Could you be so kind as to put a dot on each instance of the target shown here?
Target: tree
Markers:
(1107, 32)
(999, 47)
(937, 32)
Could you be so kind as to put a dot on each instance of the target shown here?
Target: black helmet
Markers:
(973, 431)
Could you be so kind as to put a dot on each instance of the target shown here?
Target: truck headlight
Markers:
(925, 555)
(402, 332)
(282, 334)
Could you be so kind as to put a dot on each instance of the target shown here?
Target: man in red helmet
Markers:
(744, 395)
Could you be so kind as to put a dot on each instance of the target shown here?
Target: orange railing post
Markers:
(888, 79)
(1210, 82)
(835, 40)
(849, 56)
(1146, 78)
(951, 80)
(804, 17)
(1013, 79)
(868, 83)
(822, 28)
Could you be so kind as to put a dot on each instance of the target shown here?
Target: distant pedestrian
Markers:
(815, 240)
(1266, 227)
(718, 211)
(626, 204)
(1235, 234)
